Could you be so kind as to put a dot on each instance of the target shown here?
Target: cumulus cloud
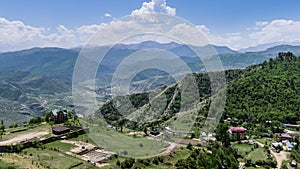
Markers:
(15, 35)
(262, 32)
(277, 30)
(155, 6)
(16, 31)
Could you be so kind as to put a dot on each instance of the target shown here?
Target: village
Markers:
(87, 152)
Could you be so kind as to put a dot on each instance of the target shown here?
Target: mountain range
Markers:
(58, 63)
(28, 75)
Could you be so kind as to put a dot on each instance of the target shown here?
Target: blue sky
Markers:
(223, 18)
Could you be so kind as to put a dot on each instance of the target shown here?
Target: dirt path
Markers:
(168, 150)
(23, 137)
(280, 157)
(172, 146)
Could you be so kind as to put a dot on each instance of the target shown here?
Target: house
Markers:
(58, 130)
(293, 163)
(235, 130)
(284, 136)
(275, 145)
(208, 137)
(58, 115)
(288, 145)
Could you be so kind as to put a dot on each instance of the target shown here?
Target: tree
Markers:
(127, 163)
(18, 147)
(238, 136)
(223, 135)
(297, 142)
(2, 127)
(145, 130)
(47, 116)
(121, 123)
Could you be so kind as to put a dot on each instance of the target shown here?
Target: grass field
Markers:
(257, 154)
(123, 144)
(5, 165)
(19, 161)
(44, 158)
(169, 160)
(84, 138)
(55, 159)
(243, 148)
(63, 147)
(265, 140)
(128, 145)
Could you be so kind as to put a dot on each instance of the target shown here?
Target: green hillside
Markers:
(270, 90)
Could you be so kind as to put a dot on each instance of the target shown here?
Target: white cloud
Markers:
(108, 15)
(261, 33)
(155, 6)
(15, 35)
(194, 35)
(261, 23)
(277, 30)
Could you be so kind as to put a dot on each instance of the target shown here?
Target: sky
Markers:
(68, 23)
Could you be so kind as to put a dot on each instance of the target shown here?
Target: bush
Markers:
(128, 163)
(271, 163)
(248, 163)
(189, 146)
(260, 162)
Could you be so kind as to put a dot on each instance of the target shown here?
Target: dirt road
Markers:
(168, 150)
(280, 157)
(23, 137)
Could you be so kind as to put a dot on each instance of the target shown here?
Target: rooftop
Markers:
(60, 128)
(238, 129)
(55, 111)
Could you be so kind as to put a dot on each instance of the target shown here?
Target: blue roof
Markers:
(55, 111)
(288, 144)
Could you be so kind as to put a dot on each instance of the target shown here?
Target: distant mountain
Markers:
(15, 85)
(179, 49)
(59, 63)
(284, 48)
(23, 95)
(147, 45)
(52, 62)
(263, 47)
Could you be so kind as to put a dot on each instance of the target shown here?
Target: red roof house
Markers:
(237, 129)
